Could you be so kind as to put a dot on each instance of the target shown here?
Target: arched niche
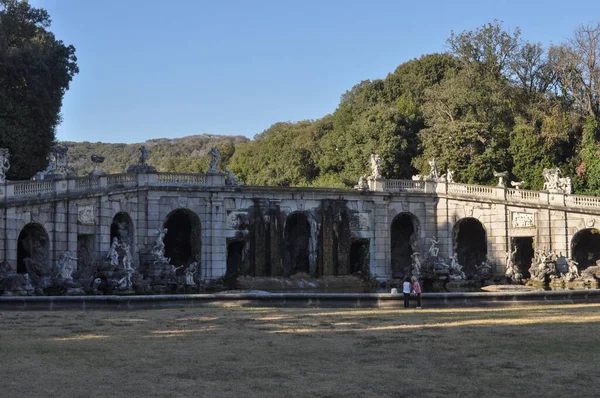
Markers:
(122, 229)
(33, 247)
(297, 234)
(585, 247)
(470, 244)
(183, 240)
(237, 258)
(404, 235)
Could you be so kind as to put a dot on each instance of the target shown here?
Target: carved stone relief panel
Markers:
(86, 214)
(522, 220)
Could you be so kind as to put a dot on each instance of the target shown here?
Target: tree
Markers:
(35, 72)
(577, 65)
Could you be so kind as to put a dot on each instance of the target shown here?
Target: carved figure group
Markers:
(555, 183)
(572, 271)
(455, 270)
(66, 266)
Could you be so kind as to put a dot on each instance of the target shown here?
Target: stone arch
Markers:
(469, 243)
(404, 233)
(122, 229)
(183, 241)
(33, 243)
(585, 247)
(297, 247)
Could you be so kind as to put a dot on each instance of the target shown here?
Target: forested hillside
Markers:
(187, 154)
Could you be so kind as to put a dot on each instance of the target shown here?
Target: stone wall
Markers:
(79, 217)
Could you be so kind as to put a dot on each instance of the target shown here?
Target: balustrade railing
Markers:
(124, 179)
(471, 190)
(520, 194)
(21, 189)
(90, 182)
(404, 185)
(582, 201)
(31, 188)
(181, 178)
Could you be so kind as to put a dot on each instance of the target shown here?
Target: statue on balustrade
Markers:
(362, 185)
(433, 172)
(142, 167)
(555, 183)
(375, 162)
(215, 156)
(501, 178)
(58, 165)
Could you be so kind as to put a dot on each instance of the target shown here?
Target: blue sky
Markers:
(167, 69)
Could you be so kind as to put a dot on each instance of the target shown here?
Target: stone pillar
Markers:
(217, 245)
(275, 240)
(380, 266)
(259, 238)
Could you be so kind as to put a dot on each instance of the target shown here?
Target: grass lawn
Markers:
(525, 351)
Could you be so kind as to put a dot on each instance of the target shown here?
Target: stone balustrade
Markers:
(16, 190)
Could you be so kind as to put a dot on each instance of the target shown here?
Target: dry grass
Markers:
(521, 351)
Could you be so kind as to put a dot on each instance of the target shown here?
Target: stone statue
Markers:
(416, 264)
(449, 176)
(512, 271)
(433, 250)
(232, 179)
(215, 155)
(362, 184)
(57, 164)
(572, 272)
(455, 271)
(501, 176)
(375, 162)
(517, 184)
(142, 167)
(113, 253)
(66, 266)
(143, 155)
(4, 164)
(127, 258)
(159, 245)
(433, 172)
(555, 183)
(543, 266)
(190, 271)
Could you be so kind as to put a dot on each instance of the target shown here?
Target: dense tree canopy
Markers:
(35, 72)
(493, 102)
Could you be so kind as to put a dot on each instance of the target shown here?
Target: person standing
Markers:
(417, 290)
(406, 291)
